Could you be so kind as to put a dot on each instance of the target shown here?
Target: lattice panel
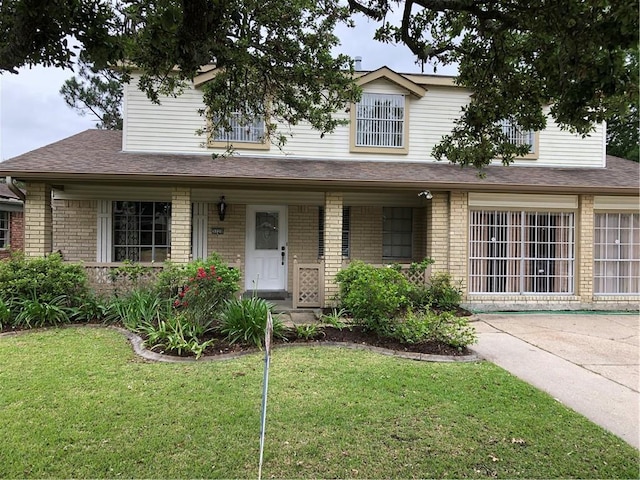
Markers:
(308, 285)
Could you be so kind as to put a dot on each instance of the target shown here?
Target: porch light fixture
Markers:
(222, 208)
(426, 194)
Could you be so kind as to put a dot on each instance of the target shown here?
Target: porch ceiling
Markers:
(96, 156)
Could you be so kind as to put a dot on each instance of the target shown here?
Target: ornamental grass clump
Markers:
(244, 320)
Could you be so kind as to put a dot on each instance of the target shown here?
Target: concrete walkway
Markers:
(589, 362)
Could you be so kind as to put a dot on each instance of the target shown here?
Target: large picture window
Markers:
(397, 233)
(141, 231)
(4, 229)
(521, 252)
(346, 225)
(616, 253)
(380, 121)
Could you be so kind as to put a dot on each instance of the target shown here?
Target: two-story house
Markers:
(559, 229)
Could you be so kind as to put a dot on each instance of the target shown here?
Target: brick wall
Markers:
(75, 229)
(16, 234)
(458, 238)
(584, 251)
(438, 233)
(332, 243)
(180, 225)
(37, 220)
(366, 234)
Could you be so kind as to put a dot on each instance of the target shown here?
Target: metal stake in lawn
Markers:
(265, 386)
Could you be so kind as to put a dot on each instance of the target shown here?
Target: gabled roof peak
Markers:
(387, 74)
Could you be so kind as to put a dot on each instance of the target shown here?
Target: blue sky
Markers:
(33, 113)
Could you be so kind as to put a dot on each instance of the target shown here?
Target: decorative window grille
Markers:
(346, 227)
(141, 231)
(616, 253)
(518, 136)
(4, 229)
(397, 233)
(243, 128)
(380, 121)
(521, 252)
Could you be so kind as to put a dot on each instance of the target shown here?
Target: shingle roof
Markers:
(96, 156)
(6, 194)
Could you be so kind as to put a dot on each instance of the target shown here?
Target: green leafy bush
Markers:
(139, 307)
(442, 294)
(452, 330)
(176, 334)
(32, 312)
(244, 320)
(430, 326)
(199, 288)
(373, 295)
(308, 331)
(45, 278)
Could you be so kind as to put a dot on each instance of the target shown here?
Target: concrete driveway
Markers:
(589, 362)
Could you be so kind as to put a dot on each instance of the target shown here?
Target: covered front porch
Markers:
(288, 242)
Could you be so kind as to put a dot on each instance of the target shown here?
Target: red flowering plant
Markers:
(199, 288)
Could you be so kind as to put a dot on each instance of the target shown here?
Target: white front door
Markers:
(266, 256)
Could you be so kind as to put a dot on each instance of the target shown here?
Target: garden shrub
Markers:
(373, 295)
(199, 288)
(46, 278)
(139, 307)
(244, 320)
(431, 326)
(176, 333)
(40, 291)
(442, 294)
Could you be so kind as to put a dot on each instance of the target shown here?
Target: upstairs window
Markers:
(380, 123)
(518, 136)
(4, 229)
(245, 132)
(141, 231)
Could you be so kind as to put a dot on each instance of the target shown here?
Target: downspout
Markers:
(12, 186)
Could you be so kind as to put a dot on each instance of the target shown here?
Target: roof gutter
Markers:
(14, 188)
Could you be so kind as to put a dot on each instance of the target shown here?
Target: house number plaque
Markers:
(217, 230)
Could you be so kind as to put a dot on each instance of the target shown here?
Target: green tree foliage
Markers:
(276, 59)
(516, 58)
(98, 92)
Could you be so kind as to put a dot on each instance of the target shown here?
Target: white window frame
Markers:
(519, 252)
(616, 253)
(518, 136)
(392, 237)
(118, 208)
(380, 123)
(246, 131)
(5, 229)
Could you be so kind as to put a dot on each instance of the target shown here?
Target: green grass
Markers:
(77, 402)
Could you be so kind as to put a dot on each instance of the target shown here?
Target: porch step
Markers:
(266, 294)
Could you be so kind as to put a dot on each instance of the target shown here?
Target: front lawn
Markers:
(76, 402)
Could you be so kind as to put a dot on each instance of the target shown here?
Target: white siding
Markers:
(172, 125)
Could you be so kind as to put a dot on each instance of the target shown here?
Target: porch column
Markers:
(458, 241)
(584, 250)
(180, 224)
(38, 228)
(438, 231)
(332, 244)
